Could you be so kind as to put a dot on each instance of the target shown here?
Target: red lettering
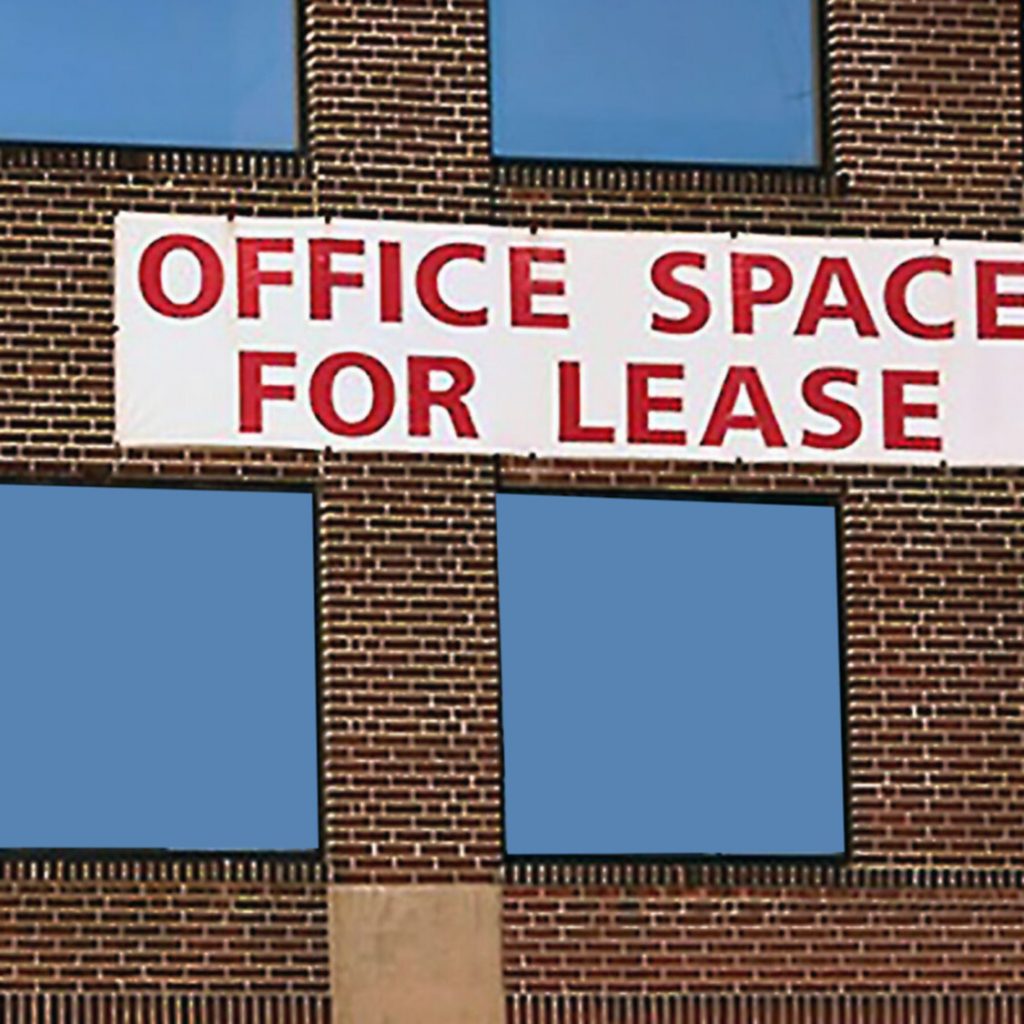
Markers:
(662, 276)
(323, 280)
(848, 420)
(211, 278)
(251, 277)
(641, 403)
(569, 426)
(390, 283)
(991, 300)
(745, 296)
(523, 286)
(724, 417)
(429, 291)
(321, 394)
(896, 410)
(252, 392)
(818, 308)
(896, 289)
(452, 399)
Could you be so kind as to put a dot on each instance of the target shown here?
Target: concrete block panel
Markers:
(416, 954)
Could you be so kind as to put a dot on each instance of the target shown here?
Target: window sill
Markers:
(662, 178)
(129, 865)
(767, 873)
(155, 160)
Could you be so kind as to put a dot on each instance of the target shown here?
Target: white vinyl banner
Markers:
(378, 335)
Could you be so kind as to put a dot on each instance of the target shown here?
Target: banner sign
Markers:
(378, 335)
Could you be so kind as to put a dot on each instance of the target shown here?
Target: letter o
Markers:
(321, 394)
(151, 267)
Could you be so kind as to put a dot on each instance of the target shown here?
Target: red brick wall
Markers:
(924, 116)
(934, 576)
(797, 1008)
(604, 940)
(925, 128)
(186, 935)
(933, 581)
(411, 713)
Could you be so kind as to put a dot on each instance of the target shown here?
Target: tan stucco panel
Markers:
(416, 954)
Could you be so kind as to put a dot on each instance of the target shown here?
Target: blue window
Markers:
(670, 677)
(728, 82)
(159, 672)
(185, 73)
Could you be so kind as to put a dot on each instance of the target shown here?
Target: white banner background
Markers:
(179, 380)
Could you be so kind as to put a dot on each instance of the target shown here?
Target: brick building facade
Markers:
(924, 922)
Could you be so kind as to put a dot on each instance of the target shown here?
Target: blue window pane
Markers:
(158, 685)
(670, 677)
(188, 73)
(686, 81)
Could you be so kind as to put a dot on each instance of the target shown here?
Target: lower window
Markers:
(670, 677)
(159, 670)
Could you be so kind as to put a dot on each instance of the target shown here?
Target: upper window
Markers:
(670, 677)
(158, 688)
(727, 82)
(218, 74)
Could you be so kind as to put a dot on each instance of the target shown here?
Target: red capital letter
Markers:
(991, 300)
(323, 280)
(252, 392)
(211, 279)
(745, 296)
(451, 399)
(427, 284)
(846, 416)
(523, 286)
(724, 418)
(896, 410)
(251, 278)
(896, 289)
(641, 403)
(569, 426)
(818, 308)
(390, 283)
(696, 301)
(321, 394)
